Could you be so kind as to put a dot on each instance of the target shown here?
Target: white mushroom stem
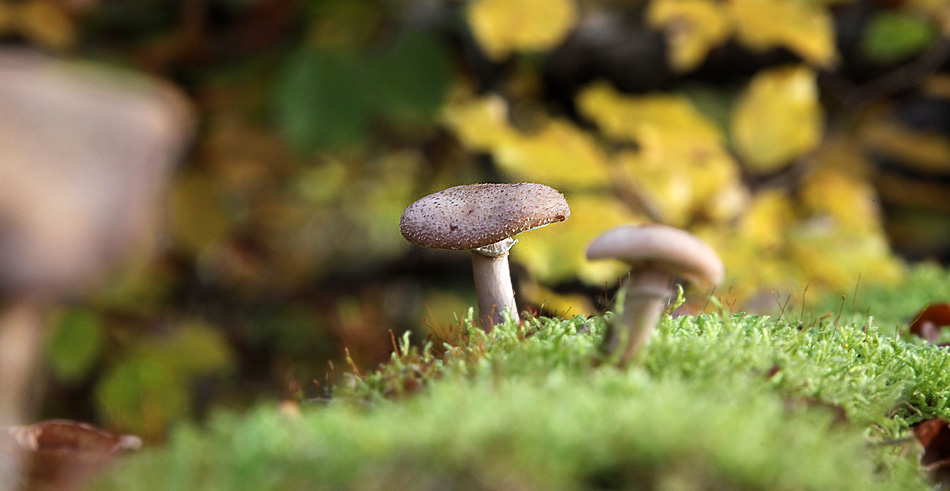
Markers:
(20, 341)
(493, 283)
(646, 294)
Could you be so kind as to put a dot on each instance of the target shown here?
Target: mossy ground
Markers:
(727, 401)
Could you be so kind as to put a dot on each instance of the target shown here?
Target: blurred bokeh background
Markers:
(807, 140)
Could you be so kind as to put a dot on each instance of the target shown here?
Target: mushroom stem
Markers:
(20, 340)
(493, 288)
(646, 293)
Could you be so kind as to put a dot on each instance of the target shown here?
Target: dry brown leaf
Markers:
(63, 454)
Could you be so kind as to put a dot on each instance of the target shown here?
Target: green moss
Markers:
(716, 402)
(893, 307)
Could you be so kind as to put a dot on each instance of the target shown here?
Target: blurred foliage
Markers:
(75, 344)
(505, 26)
(150, 385)
(324, 99)
(807, 140)
(892, 36)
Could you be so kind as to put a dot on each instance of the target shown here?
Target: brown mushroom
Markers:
(482, 218)
(656, 254)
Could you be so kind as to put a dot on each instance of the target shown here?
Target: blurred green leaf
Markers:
(320, 100)
(413, 78)
(142, 396)
(715, 103)
(196, 349)
(150, 387)
(893, 35)
(75, 344)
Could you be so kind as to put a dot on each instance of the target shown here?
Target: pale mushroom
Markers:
(656, 254)
(482, 218)
(85, 153)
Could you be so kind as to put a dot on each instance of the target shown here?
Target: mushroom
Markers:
(656, 254)
(482, 218)
(84, 157)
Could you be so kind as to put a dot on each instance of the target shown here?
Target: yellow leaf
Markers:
(559, 154)
(754, 251)
(692, 28)
(665, 187)
(480, 124)
(847, 200)
(783, 246)
(843, 236)
(680, 163)
(558, 252)
(504, 26)
(643, 119)
(727, 202)
(803, 26)
(767, 218)
(778, 118)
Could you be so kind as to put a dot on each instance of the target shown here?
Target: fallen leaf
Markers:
(928, 322)
(559, 154)
(778, 118)
(645, 118)
(504, 26)
(805, 28)
(679, 163)
(480, 124)
(767, 217)
(692, 29)
(63, 454)
(850, 201)
(934, 436)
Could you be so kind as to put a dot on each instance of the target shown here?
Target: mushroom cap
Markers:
(85, 155)
(669, 249)
(476, 215)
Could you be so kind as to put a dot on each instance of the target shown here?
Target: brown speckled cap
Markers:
(676, 251)
(476, 215)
